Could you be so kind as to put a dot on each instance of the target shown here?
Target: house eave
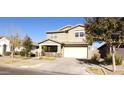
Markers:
(64, 31)
(75, 45)
(56, 32)
(49, 40)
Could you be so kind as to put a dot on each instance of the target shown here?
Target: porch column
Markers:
(39, 50)
(59, 48)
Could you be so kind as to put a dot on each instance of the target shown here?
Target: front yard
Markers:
(61, 65)
(65, 66)
(100, 69)
(22, 61)
(17, 61)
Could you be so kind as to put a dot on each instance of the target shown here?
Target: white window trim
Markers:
(79, 33)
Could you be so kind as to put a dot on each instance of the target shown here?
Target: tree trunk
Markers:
(12, 56)
(113, 58)
(110, 51)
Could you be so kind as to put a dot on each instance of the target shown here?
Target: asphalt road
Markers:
(5, 70)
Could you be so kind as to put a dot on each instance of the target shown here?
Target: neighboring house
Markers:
(4, 45)
(19, 49)
(69, 41)
(35, 48)
(101, 48)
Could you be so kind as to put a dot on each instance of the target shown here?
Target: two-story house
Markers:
(69, 41)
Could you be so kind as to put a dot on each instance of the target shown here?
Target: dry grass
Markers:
(95, 70)
(47, 58)
(118, 72)
(17, 61)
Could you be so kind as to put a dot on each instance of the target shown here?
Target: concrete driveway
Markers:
(59, 66)
(62, 65)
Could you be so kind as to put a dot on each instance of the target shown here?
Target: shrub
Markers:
(95, 58)
(7, 54)
(22, 53)
(108, 59)
(32, 55)
(17, 53)
(118, 59)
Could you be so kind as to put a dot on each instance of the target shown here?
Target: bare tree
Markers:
(15, 43)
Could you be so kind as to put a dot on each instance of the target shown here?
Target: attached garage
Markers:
(76, 52)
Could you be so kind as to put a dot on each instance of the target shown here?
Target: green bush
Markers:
(22, 53)
(32, 55)
(17, 53)
(7, 54)
(95, 58)
(108, 59)
(118, 59)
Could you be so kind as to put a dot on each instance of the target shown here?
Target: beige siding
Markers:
(60, 37)
(71, 35)
(68, 37)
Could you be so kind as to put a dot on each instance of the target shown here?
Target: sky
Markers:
(35, 27)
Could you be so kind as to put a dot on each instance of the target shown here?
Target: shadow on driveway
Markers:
(88, 62)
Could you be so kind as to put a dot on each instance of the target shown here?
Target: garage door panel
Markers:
(75, 52)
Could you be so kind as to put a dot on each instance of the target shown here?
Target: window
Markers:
(50, 48)
(79, 34)
(53, 36)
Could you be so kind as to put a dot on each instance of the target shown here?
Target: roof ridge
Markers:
(65, 27)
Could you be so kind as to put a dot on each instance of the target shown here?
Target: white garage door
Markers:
(75, 52)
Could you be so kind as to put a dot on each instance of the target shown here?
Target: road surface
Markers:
(6, 70)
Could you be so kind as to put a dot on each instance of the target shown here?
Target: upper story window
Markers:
(79, 34)
(76, 34)
(53, 36)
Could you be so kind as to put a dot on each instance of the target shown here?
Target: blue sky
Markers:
(35, 27)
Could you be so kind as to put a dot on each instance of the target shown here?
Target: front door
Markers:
(4, 48)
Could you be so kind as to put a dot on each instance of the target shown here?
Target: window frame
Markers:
(50, 48)
(54, 36)
(76, 34)
(79, 33)
(82, 34)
